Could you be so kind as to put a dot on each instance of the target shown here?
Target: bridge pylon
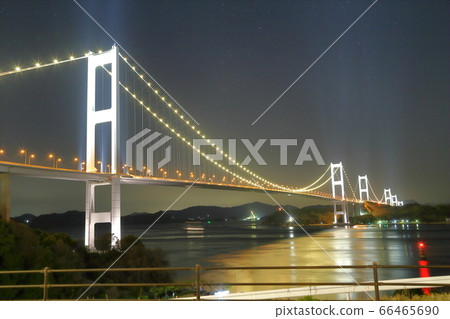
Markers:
(363, 186)
(337, 181)
(340, 209)
(394, 200)
(105, 114)
(113, 216)
(387, 196)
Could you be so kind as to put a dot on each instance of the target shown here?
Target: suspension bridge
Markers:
(137, 133)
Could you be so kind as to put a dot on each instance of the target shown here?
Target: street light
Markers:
(24, 153)
(77, 164)
(30, 157)
(53, 158)
(59, 160)
(101, 166)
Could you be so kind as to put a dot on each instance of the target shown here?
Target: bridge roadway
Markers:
(75, 175)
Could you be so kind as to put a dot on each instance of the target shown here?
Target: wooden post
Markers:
(375, 281)
(45, 288)
(5, 197)
(197, 280)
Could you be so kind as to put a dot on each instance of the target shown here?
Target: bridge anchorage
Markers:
(234, 176)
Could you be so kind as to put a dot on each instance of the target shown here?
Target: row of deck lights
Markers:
(81, 166)
(28, 157)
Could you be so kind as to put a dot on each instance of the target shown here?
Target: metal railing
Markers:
(197, 283)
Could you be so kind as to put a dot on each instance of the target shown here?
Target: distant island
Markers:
(74, 220)
(258, 212)
(372, 213)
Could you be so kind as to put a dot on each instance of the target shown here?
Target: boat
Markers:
(194, 226)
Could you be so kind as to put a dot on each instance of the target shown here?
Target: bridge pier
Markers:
(113, 216)
(5, 197)
(340, 208)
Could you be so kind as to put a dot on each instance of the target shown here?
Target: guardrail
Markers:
(197, 283)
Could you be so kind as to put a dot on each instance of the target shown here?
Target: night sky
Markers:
(378, 100)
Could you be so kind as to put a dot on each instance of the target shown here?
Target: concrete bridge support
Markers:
(113, 216)
(340, 208)
(95, 117)
(5, 197)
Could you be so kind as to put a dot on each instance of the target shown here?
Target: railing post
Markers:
(45, 288)
(375, 281)
(197, 280)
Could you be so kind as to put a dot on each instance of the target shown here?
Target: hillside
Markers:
(74, 220)
(422, 213)
(318, 214)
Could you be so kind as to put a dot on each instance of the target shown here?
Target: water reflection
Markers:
(345, 246)
(250, 244)
(424, 272)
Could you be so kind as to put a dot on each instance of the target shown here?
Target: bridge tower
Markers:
(95, 117)
(363, 184)
(394, 200)
(387, 197)
(337, 180)
(363, 188)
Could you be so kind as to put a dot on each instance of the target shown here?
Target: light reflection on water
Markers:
(246, 244)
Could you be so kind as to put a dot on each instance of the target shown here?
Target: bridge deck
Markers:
(75, 175)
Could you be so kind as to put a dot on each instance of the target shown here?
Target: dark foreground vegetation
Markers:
(24, 248)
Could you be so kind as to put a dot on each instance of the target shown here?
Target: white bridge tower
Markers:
(94, 117)
(337, 181)
(387, 197)
(363, 185)
(363, 188)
